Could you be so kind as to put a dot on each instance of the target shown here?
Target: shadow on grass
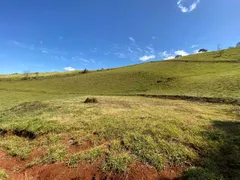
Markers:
(221, 161)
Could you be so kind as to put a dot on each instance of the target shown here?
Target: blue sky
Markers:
(63, 35)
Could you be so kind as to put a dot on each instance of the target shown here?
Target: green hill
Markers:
(44, 121)
(208, 77)
(232, 54)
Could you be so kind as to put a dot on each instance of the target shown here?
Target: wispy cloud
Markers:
(194, 46)
(146, 58)
(39, 49)
(130, 50)
(107, 53)
(94, 50)
(182, 5)
(150, 50)
(69, 69)
(131, 39)
(44, 51)
(121, 55)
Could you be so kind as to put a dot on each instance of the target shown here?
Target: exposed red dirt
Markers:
(171, 173)
(17, 170)
(141, 171)
(37, 154)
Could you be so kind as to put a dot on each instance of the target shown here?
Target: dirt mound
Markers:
(29, 107)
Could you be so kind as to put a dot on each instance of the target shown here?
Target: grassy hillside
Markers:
(232, 54)
(163, 77)
(46, 129)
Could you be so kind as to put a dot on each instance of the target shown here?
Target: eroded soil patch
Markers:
(18, 170)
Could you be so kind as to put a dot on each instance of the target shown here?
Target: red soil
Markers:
(17, 170)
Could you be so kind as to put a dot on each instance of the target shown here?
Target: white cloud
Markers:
(182, 5)
(195, 51)
(130, 50)
(107, 53)
(44, 51)
(166, 55)
(181, 52)
(146, 58)
(194, 46)
(150, 50)
(131, 39)
(69, 69)
(121, 55)
(84, 60)
(169, 57)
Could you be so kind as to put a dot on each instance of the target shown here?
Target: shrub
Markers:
(91, 100)
(85, 71)
(178, 56)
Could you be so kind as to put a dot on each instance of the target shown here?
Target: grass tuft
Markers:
(16, 146)
(118, 162)
(87, 156)
(3, 175)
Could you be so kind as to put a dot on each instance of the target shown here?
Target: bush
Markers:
(85, 71)
(91, 100)
(178, 56)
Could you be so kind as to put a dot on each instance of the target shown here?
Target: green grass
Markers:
(120, 130)
(3, 175)
(87, 156)
(208, 79)
(44, 113)
(16, 146)
(118, 162)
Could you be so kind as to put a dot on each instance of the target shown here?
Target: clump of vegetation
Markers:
(16, 146)
(178, 56)
(91, 100)
(88, 156)
(85, 71)
(3, 175)
(55, 153)
(118, 162)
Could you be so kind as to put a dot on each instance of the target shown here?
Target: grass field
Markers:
(44, 122)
